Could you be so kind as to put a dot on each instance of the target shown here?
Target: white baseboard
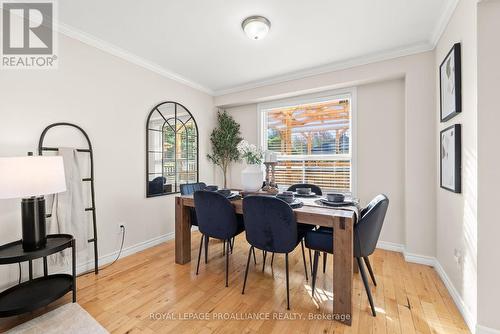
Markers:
(420, 259)
(486, 330)
(108, 258)
(391, 246)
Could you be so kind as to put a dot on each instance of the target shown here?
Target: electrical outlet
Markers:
(120, 227)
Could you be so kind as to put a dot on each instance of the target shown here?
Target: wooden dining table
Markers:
(342, 222)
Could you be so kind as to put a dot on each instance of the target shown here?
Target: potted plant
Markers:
(224, 139)
(252, 175)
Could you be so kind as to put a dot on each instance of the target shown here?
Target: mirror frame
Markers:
(155, 108)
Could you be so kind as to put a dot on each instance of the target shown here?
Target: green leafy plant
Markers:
(224, 139)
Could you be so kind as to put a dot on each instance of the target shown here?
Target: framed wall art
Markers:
(451, 158)
(450, 83)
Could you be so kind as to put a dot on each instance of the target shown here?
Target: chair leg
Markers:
(367, 287)
(272, 259)
(199, 253)
(223, 247)
(370, 270)
(246, 269)
(232, 245)
(324, 261)
(227, 260)
(206, 249)
(304, 258)
(264, 254)
(315, 270)
(310, 260)
(254, 258)
(287, 283)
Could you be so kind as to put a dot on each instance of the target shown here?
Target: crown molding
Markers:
(134, 59)
(443, 21)
(332, 67)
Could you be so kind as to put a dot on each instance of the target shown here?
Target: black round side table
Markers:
(40, 291)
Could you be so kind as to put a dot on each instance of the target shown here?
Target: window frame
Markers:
(324, 96)
(155, 108)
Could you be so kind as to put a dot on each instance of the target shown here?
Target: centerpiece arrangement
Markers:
(252, 175)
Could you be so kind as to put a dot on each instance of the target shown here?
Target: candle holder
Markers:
(270, 186)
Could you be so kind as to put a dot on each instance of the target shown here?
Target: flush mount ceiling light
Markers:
(256, 27)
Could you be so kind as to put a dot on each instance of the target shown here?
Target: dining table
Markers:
(311, 213)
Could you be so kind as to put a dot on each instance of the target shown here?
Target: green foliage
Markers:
(224, 139)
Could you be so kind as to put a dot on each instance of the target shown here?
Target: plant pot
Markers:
(252, 177)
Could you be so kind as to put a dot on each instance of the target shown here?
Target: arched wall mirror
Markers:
(172, 149)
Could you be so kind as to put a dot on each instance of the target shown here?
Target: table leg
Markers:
(342, 270)
(182, 233)
(45, 267)
(73, 259)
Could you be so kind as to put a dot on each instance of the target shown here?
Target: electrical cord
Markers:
(119, 252)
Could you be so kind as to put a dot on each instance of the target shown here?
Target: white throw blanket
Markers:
(68, 208)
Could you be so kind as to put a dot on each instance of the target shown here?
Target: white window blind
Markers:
(313, 142)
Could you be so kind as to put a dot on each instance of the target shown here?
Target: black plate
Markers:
(297, 203)
(310, 195)
(233, 197)
(337, 204)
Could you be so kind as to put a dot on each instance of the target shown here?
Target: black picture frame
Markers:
(454, 132)
(455, 52)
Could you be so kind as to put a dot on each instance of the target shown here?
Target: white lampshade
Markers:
(22, 177)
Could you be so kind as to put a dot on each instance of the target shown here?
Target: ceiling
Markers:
(201, 42)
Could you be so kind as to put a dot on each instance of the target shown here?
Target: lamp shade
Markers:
(29, 176)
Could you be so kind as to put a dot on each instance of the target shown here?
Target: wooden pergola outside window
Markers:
(313, 142)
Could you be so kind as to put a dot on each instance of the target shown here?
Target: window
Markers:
(313, 139)
(172, 149)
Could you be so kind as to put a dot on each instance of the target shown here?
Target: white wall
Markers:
(488, 170)
(381, 153)
(418, 169)
(457, 213)
(110, 98)
(380, 148)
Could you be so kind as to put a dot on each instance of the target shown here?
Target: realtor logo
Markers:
(28, 35)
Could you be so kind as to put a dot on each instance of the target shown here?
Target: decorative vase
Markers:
(252, 177)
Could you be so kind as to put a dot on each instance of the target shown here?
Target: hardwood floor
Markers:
(142, 292)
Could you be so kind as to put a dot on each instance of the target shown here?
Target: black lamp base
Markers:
(33, 221)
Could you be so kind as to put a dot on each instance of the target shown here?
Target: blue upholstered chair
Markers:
(366, 234)
(189, 189)
(216, 219)
(314, 188)
(317, 190)
(270, 226)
